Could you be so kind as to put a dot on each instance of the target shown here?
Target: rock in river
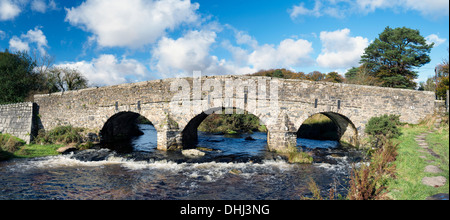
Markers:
(193, 153)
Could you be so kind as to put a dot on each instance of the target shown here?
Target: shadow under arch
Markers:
(345, 130)
(190, 132)
(120, 129)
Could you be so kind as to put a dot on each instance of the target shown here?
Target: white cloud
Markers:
(433, 38)
(302, 10)
(39, 6)
(342, 8)
(340, 50)
(132, 23)
(186, 54)
(16, 44)
(38, 37)
(289, 53)
(8, 10)
(2, 35)
(191, 52)
(108, 70)
(35, 36)
(429, 8)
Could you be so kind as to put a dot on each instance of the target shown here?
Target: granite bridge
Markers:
(176, 107)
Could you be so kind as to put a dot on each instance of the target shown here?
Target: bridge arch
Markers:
(345, 127)
(122, 127)
(189, 133)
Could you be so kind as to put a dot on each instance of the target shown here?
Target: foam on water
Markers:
(208, 171)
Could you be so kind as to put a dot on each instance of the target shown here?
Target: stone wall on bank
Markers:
(17, 120)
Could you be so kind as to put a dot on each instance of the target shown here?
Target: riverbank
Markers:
(31, 151)
(413, 159)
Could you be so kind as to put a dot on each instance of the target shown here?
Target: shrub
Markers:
(295, 155)
(61, 134)
(10, 143)
(368, 182)
(383, 127)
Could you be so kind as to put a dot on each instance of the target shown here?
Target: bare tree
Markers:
(74, 79)
(65, 79)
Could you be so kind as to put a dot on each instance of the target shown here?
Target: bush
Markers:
(368, 182)
(384, 127)
(10, 143)
(60, 135)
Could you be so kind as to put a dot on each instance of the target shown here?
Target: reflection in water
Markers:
(235, 168)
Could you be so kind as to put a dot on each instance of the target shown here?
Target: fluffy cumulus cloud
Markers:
(289, 53)
(192, 52)
(433, 38)
(340, 50)
(17, 44)
(342, 8)
(42, 5)
(8, 10)
(108, 70)
(35, 36)
(186, 54)
(132, 23)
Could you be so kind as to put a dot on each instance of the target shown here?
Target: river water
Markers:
(234, 169)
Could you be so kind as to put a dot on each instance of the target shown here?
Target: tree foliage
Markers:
(65, 79)
(22, 76)
(361, 76)
(429, 85)
(442, 80)
(383, 127)
(334, 77)
(313, 76)
(17, 78)
(393, 56)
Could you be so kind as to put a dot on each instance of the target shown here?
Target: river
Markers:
(234, 169)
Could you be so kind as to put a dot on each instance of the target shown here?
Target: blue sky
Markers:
(118, 41)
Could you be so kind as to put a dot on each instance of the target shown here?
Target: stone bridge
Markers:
(176, 107)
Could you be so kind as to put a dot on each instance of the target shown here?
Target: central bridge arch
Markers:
(190, 131)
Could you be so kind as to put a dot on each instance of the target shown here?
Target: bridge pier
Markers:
(169, 139)
(280, 141)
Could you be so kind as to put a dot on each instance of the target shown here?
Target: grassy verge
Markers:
(35, 150)
(45, 144)
(13, 147)
(410, 166)
(30, 151)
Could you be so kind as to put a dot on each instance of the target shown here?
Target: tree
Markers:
(392, 57)
(316, 76)
(429, 85)
(361, 76)
(442, 80)
(351, 73)
(17, 77)
(65, 79)
(383, 127)
(334, 77)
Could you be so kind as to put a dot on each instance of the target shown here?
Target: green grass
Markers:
(37, 150)
(410, 167)
(13, 147)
